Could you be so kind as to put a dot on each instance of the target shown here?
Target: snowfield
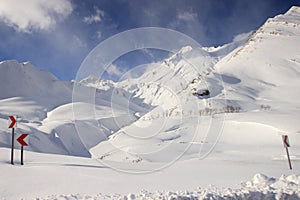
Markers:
(48, 176)
(259, 187)
(204, 117)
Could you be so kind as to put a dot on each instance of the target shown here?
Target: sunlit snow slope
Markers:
(43, 106)
(257, 85)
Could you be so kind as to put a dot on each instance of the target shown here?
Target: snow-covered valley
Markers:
(177, 127)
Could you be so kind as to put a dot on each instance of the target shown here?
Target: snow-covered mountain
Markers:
(268, 70)
(260, 79)
(31, 86)
(221, 51)
(43, 106)
(231, 103)
(175, 109)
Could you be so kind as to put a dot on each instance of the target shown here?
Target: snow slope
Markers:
(260, 80)
(269, 68)
(24, 80)
(44, 108)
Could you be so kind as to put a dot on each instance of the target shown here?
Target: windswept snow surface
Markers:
(161, 125)
(48, 176)
(259, 187)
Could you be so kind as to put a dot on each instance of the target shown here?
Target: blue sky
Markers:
(56, 35)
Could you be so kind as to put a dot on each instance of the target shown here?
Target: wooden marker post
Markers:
(12, 146)
(22, 150)
(12, 124)
(286, 144)
(23, 143)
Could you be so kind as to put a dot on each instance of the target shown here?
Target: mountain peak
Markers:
(26, 81)
(294, 10)
(92, 81)
(8, 62)
(291, 16)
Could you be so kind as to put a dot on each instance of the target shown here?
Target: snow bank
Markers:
(259, 187)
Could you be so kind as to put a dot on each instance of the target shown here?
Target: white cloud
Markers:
(78, 42)
(148, 52)
(242, 36)
(95, 18)
(28, 15)
(99, 34)
(113, 70)
(187, 16)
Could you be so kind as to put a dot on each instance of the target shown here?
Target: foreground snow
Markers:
(259, 187)
(47, 176)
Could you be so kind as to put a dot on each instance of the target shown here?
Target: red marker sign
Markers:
(285, 140)
(21, 140)
(12, 121)
(23, 143)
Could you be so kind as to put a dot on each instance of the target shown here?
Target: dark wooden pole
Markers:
(12, 146)
(22, 149)
(288, 155)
